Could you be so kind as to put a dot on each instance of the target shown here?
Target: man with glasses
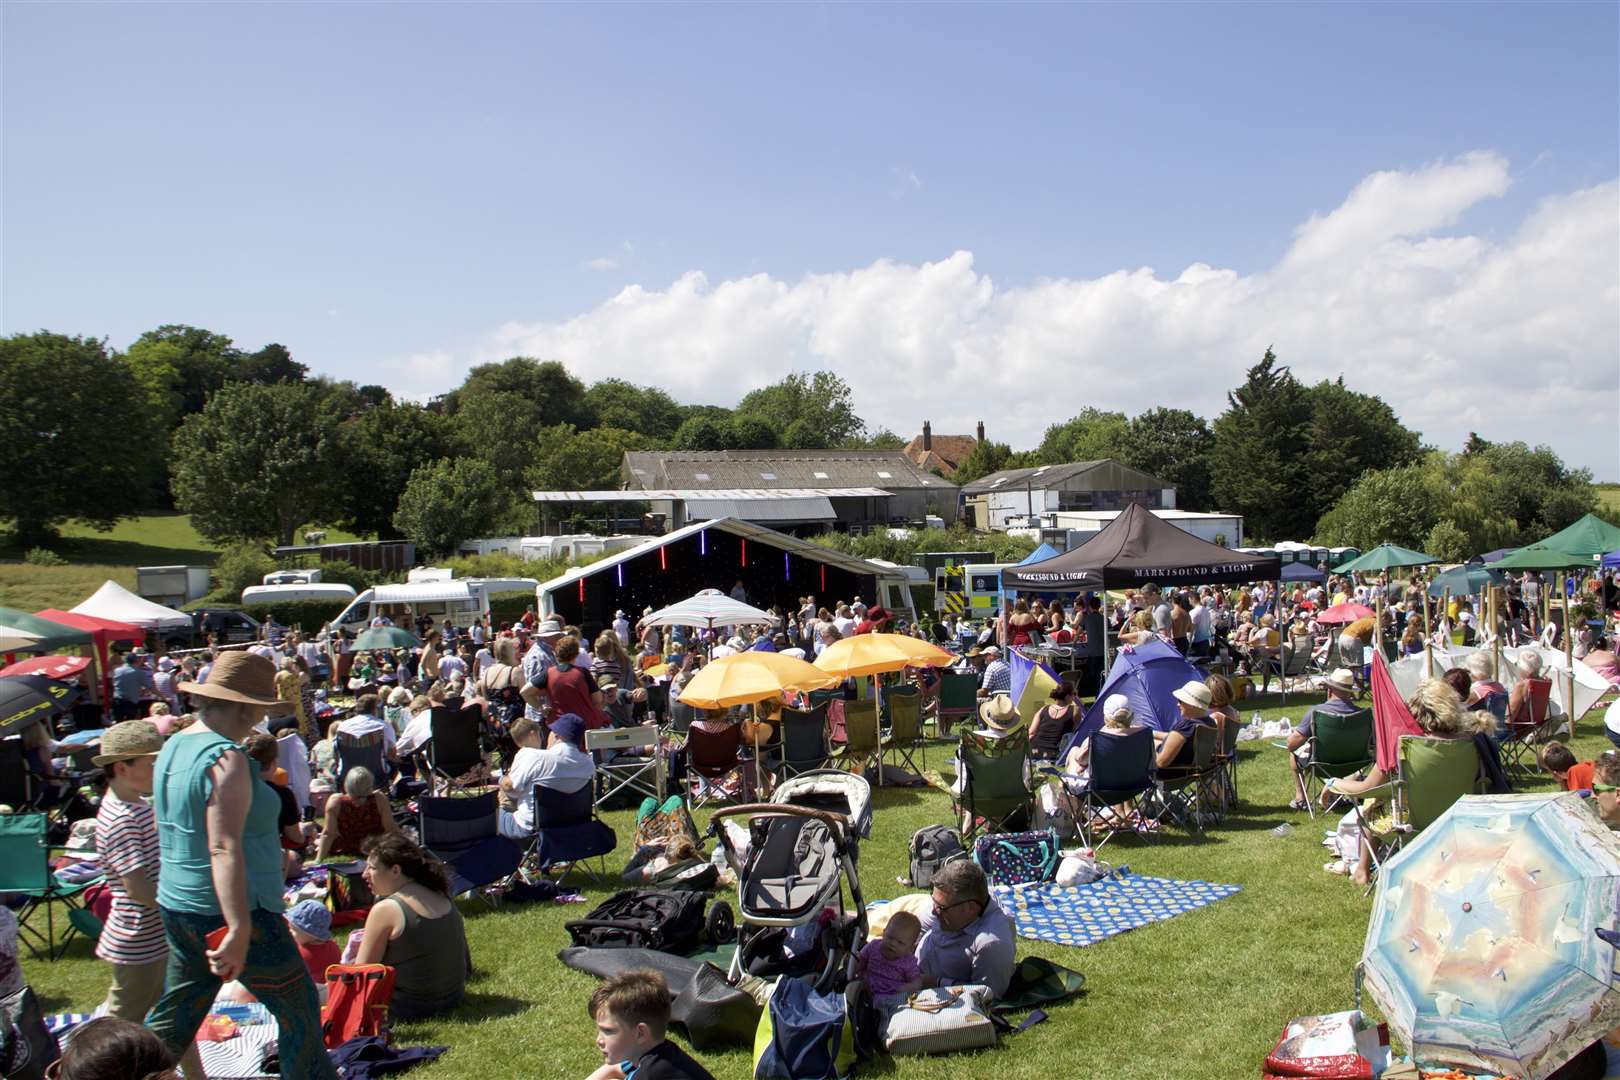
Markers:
(966, 938)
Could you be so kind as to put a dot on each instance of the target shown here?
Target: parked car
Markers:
(228, 626)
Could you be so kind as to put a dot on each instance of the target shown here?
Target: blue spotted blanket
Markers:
(1087, 914)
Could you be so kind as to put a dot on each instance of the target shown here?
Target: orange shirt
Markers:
(1579, 776)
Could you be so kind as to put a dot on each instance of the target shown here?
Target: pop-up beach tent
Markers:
(1147, 675)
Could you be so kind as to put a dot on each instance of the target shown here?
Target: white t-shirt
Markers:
(418, 731)
(361, 726)
(844, 624)
(450, 665)
(1611, 717)
(564, 767)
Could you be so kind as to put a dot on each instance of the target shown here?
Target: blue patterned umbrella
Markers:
(1483, 950)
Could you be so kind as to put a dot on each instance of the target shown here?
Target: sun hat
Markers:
(570, 728)
(128, 739)
(313, 918)
(1342, 679)
(1465, 616)
(166, 663)
(82, 837)
(999, 713)
(1114, 704)
(619, 614)
(1194, 693)
(549, 628)
(241, 677)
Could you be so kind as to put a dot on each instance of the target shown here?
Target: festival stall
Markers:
(114, 602)
(103, 632)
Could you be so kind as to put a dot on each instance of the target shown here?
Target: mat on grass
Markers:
(1087, 914)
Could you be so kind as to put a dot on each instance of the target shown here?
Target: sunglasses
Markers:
(1605, 787)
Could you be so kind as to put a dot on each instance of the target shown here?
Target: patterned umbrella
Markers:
(385, 637)
(1482, 948)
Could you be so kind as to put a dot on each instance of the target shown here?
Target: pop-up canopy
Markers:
(113, 601)
(1137, 548)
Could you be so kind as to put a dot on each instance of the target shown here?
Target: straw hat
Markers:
(999, 713)
(1342, 679)
(1194, 693)
(242, 677)
(128, 739)
(549, 628)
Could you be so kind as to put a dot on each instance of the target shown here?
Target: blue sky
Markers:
(396, 192)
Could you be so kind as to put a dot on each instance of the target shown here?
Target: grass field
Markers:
(1201, 996)
(1609, 497)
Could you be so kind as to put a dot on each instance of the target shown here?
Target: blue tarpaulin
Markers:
(1147, 675)
(1040, 554)
(1611, 561)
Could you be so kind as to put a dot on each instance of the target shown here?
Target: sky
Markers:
(1002, 213)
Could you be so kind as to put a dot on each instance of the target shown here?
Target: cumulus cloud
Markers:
(1517, 339)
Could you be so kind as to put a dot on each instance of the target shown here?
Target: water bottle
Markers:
(1282, 830)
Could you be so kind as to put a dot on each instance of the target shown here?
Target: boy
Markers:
(1571, 775)
(631, 1012)
(311, 926)
(890, 963)
(1606, 787)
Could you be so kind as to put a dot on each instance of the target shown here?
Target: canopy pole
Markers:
(1107, 637)
(1428, 638)
(1496, 637)
(1569, 650)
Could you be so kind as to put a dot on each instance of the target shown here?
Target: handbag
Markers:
(27, 1048)
(940, 1021)
(1018, 858)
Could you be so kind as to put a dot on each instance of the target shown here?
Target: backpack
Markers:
(1018, 858)
(27, 1047)
(357, 997)
(669, 920)
(932, 846)
(803, 1034)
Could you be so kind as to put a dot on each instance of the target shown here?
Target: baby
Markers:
(890, 963)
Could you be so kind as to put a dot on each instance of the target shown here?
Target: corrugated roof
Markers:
(734, 494)
(810, 508)
(1044, 476)
(888, 469)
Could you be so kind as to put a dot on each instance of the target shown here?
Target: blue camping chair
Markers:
(1109, 799)
(464, 833)
(352, 750)
(567, 832)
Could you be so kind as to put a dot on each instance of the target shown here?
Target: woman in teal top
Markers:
(222, 869)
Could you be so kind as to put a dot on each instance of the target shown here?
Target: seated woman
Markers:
(1175, 747)
(1485, 693)
(261, 748)
(1053, 723)
(1439, 712)
(414, 928)
(1523, 692)
(1118, 719)
(357, 815)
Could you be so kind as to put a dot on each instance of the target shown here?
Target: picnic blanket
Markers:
(1086, 914)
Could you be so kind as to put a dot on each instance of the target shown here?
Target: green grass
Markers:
(1609, 497)
(1201, 996)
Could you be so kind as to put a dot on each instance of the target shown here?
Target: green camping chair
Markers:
(905, 735)
(863, 749)
(25, 870)
(992, 792)
(958, 699)
(1430, 776)
(1341, 745)
(1190, 794)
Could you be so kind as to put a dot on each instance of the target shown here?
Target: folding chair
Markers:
(992, 791)
(464, 832)
(1291, 665)
(893, 694)
(25, 870)
(958, 699)
(1341, 745)
(1530, 725)
(1109, 800)
(567, 833)
(455, 756)
(1186, 793)
(17, 785)
(628, 759)
(1226, 760)
(862, 746)
(712, 758)
(351, 751)
(905, 735)
(1430, 775)
(681, 716)
(804, 746)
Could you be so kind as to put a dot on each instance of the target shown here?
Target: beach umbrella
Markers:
(1482, 949)
(385, 637)
(50, 667)
(1590, 536)
(1345, 613)
(708, 609)
(16, 639)
(873, 654)
(1385, 557)
(26, 698)
(1466, 580)
(49, 636)
(746, 677)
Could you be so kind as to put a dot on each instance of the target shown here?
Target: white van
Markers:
(459, 600)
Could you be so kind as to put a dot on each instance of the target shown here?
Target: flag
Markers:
(1032, 684)
(1391, 717)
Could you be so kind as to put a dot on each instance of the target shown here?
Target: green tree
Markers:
(380, 448)
(499, 409)
(701, 433)
(1351, 433)
(451, 500)
(271, 364)
(802, 435)
(1541, 493)
(203, 361)
(1091, 436)
(821, 398)
(75, 435)
(881, 439)
(1257, 459)
(256, 462)
(747, 432)
(985, 458)
(1396, 506)
(1174, 445)
(568, 460)
(616, 403)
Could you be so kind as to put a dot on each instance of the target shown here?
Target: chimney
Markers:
(981, 431)
(928, 437)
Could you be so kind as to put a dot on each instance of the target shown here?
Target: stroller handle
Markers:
(827, 817)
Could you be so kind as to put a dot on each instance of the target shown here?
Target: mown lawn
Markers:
(1201, 996)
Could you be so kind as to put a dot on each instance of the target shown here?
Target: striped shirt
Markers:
(127, 842)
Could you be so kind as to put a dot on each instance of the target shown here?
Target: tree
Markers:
(821, 399)
(1395, 506)
(1257, 459)
(985, 458)
(619, 404)
(380, 449)
(75, 435)
(701, 433)
(271, 364)
(802, 435)
(747, 432)
(499, 409)
(1091, 436)
(203, 361)
(1541, 494)
(568, 460)
(451, 500)
(1174, 445)
(255, 463)
(1351, 433)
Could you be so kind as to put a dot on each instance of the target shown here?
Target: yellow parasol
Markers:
(747, 677)
(872, 654)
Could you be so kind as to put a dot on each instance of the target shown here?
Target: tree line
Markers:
(253, 447)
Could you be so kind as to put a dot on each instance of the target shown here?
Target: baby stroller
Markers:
(803, 846)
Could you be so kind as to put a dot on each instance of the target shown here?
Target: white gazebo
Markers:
(113, 601)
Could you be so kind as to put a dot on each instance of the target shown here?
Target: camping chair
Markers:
(464, 833)
(905, 736)
(350, 751)
(628, 762)
(713, 758)
(1341, 745)
(1533, 723)
(1109, 800)
(1430, 775)
(992, 791)
(804, 745)
(25, 870)
(17, 785)
(1291, 665)
(455, 756)
(862, 744)
(681, 716)
(1495, 703)
(894, 694)
(1226, 760)
(958, 699)
(1188, 793)
(567, 833)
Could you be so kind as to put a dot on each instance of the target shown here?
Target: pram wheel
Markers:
(720, 924)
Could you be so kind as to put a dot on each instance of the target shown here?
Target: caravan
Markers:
(435, 595)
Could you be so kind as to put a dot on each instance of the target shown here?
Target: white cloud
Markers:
(1518, 339)
(604, 262)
